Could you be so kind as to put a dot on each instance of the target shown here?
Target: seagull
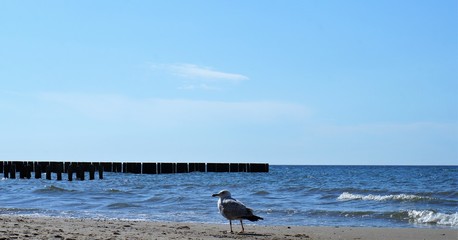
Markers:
(232, 209)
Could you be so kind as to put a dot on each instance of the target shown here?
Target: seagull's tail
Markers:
(253, 218)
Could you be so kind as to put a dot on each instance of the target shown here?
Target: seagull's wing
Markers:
(233, 209)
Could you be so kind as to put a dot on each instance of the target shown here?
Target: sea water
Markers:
(368, 196)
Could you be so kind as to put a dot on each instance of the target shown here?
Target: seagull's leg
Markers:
(230, 224)
(241, 223)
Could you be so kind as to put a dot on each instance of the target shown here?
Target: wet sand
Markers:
(20, 227)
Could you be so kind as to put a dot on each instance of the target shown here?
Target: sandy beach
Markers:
(20, 227)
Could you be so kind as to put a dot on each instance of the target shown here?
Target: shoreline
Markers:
(22, 227)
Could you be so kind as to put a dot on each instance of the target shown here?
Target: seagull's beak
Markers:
(215, 195)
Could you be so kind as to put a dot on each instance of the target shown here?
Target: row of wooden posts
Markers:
(26, 168)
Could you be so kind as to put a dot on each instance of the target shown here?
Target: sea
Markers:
(346, 196)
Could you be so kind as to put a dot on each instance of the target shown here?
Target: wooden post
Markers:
(57, 167)
(6, 170)
(259, 167)
(234, 167)
(222, 167)
(37, 170)
(59, 171)
(70, 170)
(43, 166)
(196, 167)
(149, 168)
(48, 172)
(80, 172)
(21, 169)
(167, 168)
(100, 171)
(132, 168)
(66, 166)
(91, 172)
(29, 168)
(243, 167)
(107, 167)
(182, 168)
(117, 167)
(13, 171)
(211, 167)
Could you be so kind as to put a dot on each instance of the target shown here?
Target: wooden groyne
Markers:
(78, 170)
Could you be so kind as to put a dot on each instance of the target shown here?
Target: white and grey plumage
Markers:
(232, 209)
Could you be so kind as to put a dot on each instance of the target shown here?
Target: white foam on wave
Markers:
(399, 197)
(431, 217)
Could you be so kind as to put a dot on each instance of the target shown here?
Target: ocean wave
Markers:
(413, 216)
(261, 193)
(122, 205)
(346, 196)
(333, 213)
(154, 199)
(287, 212)
(17, 210)
(52, 189)
(432, 217)
(112, 190)
(116, 191)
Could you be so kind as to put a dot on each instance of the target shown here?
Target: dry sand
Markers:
(19, 227)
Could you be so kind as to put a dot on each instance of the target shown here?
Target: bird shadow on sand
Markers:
(254, 234)
(247, 234)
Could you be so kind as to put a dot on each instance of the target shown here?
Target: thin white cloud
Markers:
(201, 86)
(193, 71)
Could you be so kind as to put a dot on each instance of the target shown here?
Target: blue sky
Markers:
(283, 82)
